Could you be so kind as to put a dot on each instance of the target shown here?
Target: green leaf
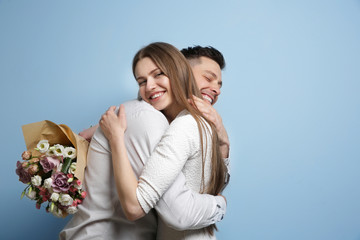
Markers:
(66, 165)
(22, 195)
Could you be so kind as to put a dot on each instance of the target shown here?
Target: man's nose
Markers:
(215, 88)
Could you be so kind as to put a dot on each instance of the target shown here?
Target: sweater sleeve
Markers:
(178, 144)
(182, 208)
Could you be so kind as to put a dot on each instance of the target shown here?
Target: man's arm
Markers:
(88, 222)
(183, 209)
(89, 132)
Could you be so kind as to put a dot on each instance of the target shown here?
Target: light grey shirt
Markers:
(101, 216)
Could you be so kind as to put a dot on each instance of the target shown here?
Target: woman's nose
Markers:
(150, 84)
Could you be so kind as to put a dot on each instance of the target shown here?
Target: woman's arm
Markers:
(183, 209)
(114, 126)
(178, 144)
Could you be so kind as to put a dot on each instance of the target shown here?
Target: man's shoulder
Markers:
(135, 105)
(136, 109)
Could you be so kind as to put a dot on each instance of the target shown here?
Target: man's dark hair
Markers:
(210, 52)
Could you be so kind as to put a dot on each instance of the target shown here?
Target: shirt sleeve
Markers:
(178, 144)
(227, 177)
(183, 209)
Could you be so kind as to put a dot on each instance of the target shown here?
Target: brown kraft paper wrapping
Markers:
(57, 134)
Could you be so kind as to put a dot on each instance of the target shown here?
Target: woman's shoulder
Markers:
(184, 118)
(187, 122)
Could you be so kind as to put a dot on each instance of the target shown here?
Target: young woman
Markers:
(189, 145)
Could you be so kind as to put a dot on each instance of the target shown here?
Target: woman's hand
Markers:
(112, 124)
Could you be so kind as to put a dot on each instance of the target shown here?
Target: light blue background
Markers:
(290, 100)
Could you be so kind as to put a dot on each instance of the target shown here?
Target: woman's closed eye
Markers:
(142, 82)
(158, 74)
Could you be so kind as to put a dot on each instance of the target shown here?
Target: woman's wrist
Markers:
(116, 140)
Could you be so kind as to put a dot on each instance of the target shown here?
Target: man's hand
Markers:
(88, 133)
(212, 115)
(223, 197)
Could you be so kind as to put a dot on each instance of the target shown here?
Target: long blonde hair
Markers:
(175, 66)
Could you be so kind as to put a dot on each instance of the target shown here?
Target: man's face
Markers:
(207, 74)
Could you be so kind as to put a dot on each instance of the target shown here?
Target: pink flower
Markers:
(73, 189)
(60, 182)
(25, 164)
(33, 160)
(83, 194)
(76, 202)
(24, 176)
(33, 169)
(44, 193)
(26, 155)
(78, 182)
(49, 163)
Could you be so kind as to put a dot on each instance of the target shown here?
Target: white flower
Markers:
(50, 151)
(72, 210)
(43, 146)
(31, 195)
(70, 152)
(48, 183)
(72, 168)
(58, 169)
(57, 212)
(65, 200)
(59, 150)
(54, 197)
(36, 180)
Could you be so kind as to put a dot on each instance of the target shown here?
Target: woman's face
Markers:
(154, 86)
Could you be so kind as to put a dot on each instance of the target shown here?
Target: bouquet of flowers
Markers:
(50, 170)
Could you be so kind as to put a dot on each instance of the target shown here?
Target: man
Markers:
(101, 217)
(207, 63)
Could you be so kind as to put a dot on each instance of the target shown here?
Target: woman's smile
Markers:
(156, 96)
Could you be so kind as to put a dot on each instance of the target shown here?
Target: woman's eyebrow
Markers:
(139, 78)
(151, 72)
